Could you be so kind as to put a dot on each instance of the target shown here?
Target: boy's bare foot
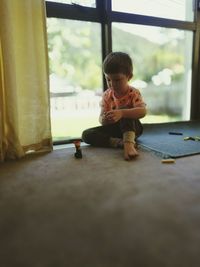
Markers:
(116, 142)
(129, 151)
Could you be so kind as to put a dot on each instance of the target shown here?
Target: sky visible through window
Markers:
(171, 9)
(88, 3)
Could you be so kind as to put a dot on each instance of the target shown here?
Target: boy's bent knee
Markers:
(88, 136)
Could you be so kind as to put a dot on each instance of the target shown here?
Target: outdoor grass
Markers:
(71, 127)
(66, 127)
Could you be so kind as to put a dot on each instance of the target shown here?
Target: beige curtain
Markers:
(24, 84)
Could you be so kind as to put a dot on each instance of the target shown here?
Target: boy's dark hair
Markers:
(118, 62)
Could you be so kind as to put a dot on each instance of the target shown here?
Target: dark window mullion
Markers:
(151, 21)
(195, 93)
(104, 7)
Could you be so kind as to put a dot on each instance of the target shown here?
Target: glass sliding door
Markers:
(75, 76)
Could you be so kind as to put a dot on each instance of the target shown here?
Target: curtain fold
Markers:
(24, 79)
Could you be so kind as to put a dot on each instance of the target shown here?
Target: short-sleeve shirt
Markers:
(131, 99)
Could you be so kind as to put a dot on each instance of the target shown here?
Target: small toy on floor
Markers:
(175, 133)
(78, 153)
(168, 160)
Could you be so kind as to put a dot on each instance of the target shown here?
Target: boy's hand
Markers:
(113, 115)
(104, 120)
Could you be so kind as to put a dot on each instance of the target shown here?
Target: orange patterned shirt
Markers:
(132, 99)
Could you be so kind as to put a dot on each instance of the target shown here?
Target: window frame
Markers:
(104, 15)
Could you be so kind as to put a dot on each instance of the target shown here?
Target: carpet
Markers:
(99, 211)
(157, 137)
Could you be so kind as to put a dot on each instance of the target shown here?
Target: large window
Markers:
(162, 37)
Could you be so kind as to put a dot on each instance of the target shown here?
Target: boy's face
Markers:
(118, 82)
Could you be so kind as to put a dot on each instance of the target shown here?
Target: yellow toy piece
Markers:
(168, 160)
